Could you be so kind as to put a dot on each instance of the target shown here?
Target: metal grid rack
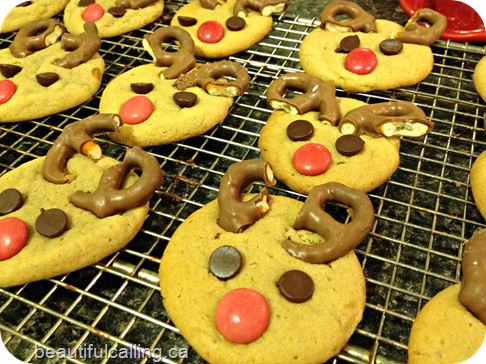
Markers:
(424, 213)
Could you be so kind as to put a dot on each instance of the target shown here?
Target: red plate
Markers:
(463, 23)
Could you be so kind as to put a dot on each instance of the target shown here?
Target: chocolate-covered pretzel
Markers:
(234, 214)
(264, 7)
(209, 4)
(77, 137)
(135, 4)
(82, 47)
(178, 62)
(206, 77)
(319, 95)
(27, 42)
(340, 238)
(109, 199)
(473, 285)
(389, 119)
(417, 34)
(361, 20)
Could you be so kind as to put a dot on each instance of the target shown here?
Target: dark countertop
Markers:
(384, 9)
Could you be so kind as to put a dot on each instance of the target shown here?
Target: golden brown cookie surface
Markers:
(478, 182)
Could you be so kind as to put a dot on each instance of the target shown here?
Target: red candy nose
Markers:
(13, 236)
(311, 159)
(136, 110)
(93, 12)
(360, 61)
(7, 90)
(210, 32)
(242, 315)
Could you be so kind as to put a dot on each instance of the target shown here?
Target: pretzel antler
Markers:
(209, 4)
(135, 4)
(77, 137)
(27, 42)
(416, 34)
(178, 62)
(340, 238)
(361, 20)
(388, 119)
(319, 95)
(264, 7)
(234, 214)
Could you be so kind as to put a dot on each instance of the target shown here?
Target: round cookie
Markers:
(28, 11)
(478, 182)
(77, 82)
(478, 78)
(137, 14)
(355, 70)
(445, 332)
(234, 41)
(97, 225)
(308, 332)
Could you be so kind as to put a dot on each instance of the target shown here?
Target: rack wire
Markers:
(424, 212)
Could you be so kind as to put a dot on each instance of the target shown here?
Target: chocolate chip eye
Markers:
(186, 21)
(300, 130)
(296, 286)
(142, 88)
(185, 99)
(349, 145)
(225, 262)
(51, 223)
(47, 79)
(117, 12)
(85, 3)
(10, 200)
(235, 23)
(348, 44)
(390, 47)
(9, 70)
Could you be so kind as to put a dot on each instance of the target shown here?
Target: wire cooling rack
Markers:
(424, 213)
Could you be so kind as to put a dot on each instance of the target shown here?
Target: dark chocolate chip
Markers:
(9, 70)
(117, 12)
(142, 88)
(25, 3)
(300, 130)
(186, 21)
(225, 262)
(348, 44)
(349, 145)
(51, 223)
(185, 99)
(235, 23)
(296, 286)
(10, 200)
(390, 47)
(47, 79)
(85, 3)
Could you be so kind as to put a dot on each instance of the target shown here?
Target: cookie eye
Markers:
(117, 11)
(9, 70)
(349, 145)
(51, 223)
(348, 44)
(390, 47)
(235, 23)
(142, 88)
(47, 79)
(186, 21)
(185, 99)
(296, 286)
(10, 200)
(85, 3)
(225, 262)
(300, 130)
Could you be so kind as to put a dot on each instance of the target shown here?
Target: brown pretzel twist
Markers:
(473, 285)
(388, 119)
(234, 214)
(209, 4)
(264, 7)
(340, 238)
(318, 95)
(27, 42)
(82, 47)
(179, 62)
(109, 199)
(417, 34)
(206, 77)
(135, 4)
(361, 20)
(77, 137)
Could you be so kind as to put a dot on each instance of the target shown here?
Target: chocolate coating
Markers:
(361, 20)
(10, 200)
(264, 7)
(9, 70)
(186, 21)
(348, 44)
(117, 11)
(28, 40)
(185, 99)
(300, 130)
(47, 79)
(296, 286)
(85, 3)
(416, 34)
(225, 262)
(235, 23)
(349, 145)
(390, 47)
(51, 223)
(142, 88)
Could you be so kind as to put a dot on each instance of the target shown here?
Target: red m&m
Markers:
(311, 159)
(93, 12)
(361, 61)
(13, 236)
(7, 90)
(136, 110)
(210, 32)
(242, 315)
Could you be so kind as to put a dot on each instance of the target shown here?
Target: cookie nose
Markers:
(13, 236)
(210, 32)
(311, 159)
(136, 110)
(7, 90)
(93, 12)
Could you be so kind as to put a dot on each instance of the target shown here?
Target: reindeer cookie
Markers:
(40, 76)
(172, 99)
(221, 28)
(451, 327)
(345, 141)
(251, 289)
(479, 76)
(365, 54)
(112, 17)
(28, 11)
(67, 210)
